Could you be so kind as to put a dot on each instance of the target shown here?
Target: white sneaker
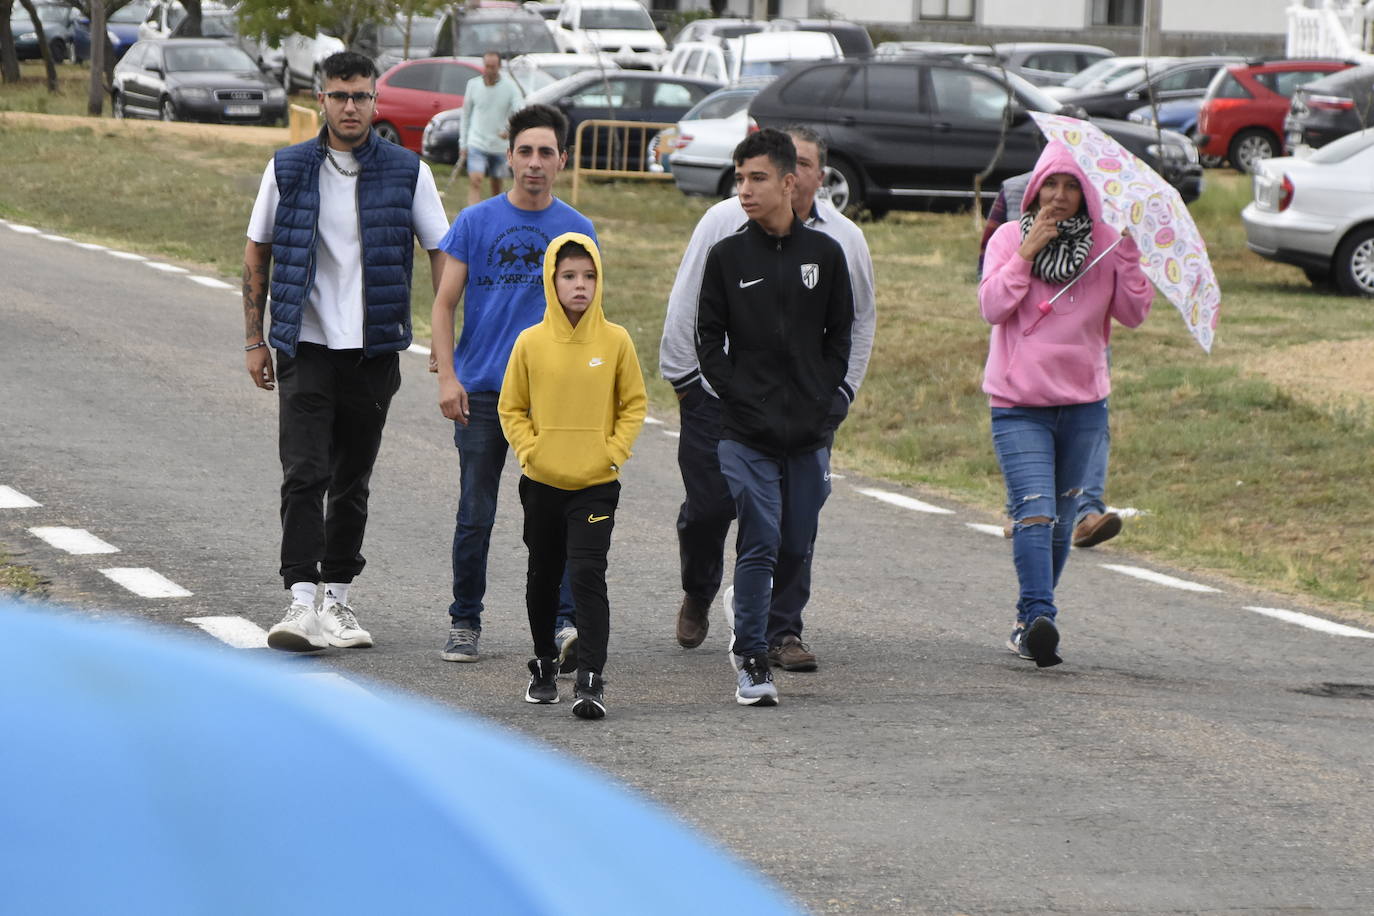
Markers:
(341, 628)
(566, 640)
(729, 602)
(299, 631)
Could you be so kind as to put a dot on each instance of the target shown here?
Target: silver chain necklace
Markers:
(342, 171)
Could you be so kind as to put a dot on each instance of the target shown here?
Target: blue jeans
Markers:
(1095, 479)
(481, 458)
(1045, 454)
(778, 502)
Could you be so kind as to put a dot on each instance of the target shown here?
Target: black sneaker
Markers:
(1017, 642)
(1042, 641)
(543, 686)
(588, 701)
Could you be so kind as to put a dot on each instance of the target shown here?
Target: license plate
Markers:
(242, 110)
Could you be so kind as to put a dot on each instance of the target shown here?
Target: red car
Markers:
(413, 91)
(1242, 114)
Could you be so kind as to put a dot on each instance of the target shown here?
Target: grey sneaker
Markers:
(755, 681)
(461, 645)
(566, 639)
(299, 631)
(543, 686)
(341, 628)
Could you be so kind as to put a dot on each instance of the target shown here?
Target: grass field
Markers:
(1254, 461)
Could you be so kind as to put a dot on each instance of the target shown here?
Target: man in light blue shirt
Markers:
(488, 103)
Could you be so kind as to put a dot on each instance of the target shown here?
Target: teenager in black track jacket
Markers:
(785, 306)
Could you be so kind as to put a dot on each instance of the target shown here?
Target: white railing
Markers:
(1336, 29)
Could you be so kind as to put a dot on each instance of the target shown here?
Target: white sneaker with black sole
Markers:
(299, 631)
(341, 627)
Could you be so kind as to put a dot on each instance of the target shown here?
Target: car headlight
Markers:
(192, 95)
(277, 94)
(1173, 152)
(447, 123)
(28, 36)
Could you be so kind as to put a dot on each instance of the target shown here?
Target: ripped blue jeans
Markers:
(1045, 454)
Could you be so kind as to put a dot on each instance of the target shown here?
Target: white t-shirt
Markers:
(333, 316)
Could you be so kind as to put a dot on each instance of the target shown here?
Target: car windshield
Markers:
(221, 26)
(507, 36)
(19, 18)
(206, 57)
(551, 93)
(606, 17)
(720, 105)
(1342, 149)
(132, 14)
(422, 34)
(1034, 96)
(1102, 70)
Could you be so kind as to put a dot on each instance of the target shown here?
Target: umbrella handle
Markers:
(1046, 307)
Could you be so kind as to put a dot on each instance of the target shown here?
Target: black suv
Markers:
(908, 134)
(1182, 79)
(1329, 108)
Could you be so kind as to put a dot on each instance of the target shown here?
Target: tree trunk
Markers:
(190, 28)
(48, 64)
(100, 52)
(9, 58)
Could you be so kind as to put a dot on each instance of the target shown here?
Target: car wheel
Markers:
(169, 112)
(1208, 162)
(117, 106)
(387, 132)
(843, 187)
(727, 188)
(1355, 263)
(1250, 147)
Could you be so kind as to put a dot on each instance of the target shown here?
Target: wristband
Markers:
(261, 343)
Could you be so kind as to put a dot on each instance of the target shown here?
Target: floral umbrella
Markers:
(1134, 197)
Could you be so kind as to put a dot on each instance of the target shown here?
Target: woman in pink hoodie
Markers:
(1046, 376)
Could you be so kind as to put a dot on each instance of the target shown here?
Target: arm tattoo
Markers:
(255, 284)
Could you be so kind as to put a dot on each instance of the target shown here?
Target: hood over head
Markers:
(1057, 159)
(593, 318)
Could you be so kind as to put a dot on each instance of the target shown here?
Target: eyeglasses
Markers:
(357, 98)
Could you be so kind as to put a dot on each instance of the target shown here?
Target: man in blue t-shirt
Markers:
(495, 263)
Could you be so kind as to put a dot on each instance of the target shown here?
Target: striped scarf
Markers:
(1058, 261)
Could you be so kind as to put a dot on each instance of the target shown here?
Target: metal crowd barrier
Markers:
(612, 151)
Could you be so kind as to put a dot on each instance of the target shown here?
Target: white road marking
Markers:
(338, 682)
(417, 348)
(1159, 578)
(126, 255)
(1312, 623)
(144, 582)
(987, 529)
(73, 540)
(11, 498)
(166, 268)
(89, 246)
(653, 421)
(672, 434)
(53, 238)
(905, 502)
(26, 230)
(239, 632)
(210, 282)
(1128, 512)
(834, 476)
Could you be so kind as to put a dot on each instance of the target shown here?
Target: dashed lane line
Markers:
(211, 282)
(24, 230)
(53, 238)
(905, 502)
(418, 348)
(1150, 575)
(1312, 623)
(145, 583)
(72, 540)
(89, 246)
(653, 421)
(166, 268)
(672, 434)
(239, 632)
(11, 498)
(987, 529)
(124, 255)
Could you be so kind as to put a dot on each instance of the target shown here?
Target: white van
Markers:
(768, 54)
(621, 28)
(699, 59)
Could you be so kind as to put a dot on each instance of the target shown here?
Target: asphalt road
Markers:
(1190, 756)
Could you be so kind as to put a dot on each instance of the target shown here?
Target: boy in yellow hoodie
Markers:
(571, 405)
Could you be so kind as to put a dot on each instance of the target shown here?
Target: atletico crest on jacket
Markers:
(810, 273)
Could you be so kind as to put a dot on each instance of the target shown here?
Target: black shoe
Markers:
(543, 686)
(588, 702)
(1042, 641)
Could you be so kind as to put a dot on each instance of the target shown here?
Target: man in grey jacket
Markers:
(704, 519)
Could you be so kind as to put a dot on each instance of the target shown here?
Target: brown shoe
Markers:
(792, 655)
(693, 620)
(1094, 529)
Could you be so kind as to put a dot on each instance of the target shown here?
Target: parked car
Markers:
(702, 59)
(1186, 78)
(402, 38)
(1048, 63)
(164, 16)
(716, 30)
(414, 91)
(887, 153)
(768, 54)
(467, 32)
(701, 159)
(59, 30)
(533, 72)
(224, 26)
(628, 95)
(1179, 115)
(1329, 108)
(1243, 111)
(122, 26)
(853, 38)
(620, 28)
(304, 55)
(1318, 213)
(194, 79)
(1107, 71)
(891, 50)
